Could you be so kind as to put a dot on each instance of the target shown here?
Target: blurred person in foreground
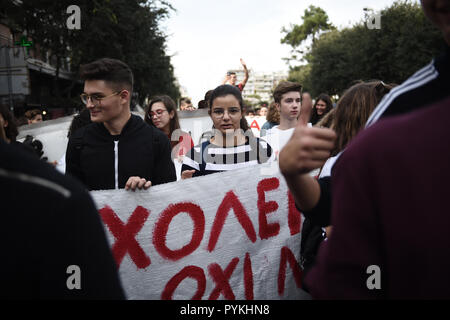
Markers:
(428, 85)
(390, 213)
(311, 148)
(52, 236)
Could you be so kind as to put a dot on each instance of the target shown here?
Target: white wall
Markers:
(53, 133)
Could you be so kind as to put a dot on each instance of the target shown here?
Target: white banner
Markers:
(255, 123)
(231, 235)
(53, 133)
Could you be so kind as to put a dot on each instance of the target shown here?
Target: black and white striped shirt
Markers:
(207, 158)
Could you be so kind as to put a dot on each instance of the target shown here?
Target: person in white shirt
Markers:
(287, 97)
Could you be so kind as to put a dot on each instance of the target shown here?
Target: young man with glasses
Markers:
(118, 150)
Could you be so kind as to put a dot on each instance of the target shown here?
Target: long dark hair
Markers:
(325, 98)
(225, 90)
(354, 108)
(80, 120)
(11, 130)
(170, 105)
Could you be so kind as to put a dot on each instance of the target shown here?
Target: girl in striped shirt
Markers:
(232, 145)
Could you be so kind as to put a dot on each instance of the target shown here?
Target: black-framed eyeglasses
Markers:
(95, 98)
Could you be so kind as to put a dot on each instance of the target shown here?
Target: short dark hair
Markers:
(185, 100)
(30, 114)
(285, 87)
(115, 72)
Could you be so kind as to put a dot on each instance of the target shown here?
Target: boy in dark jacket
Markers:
(118, 150)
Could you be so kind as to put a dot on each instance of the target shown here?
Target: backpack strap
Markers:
(77, 141)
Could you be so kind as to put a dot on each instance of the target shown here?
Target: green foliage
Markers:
(315, 19)
(123, 29)
(248, 104)
(301, 74)
(406, 42)
(45, 23)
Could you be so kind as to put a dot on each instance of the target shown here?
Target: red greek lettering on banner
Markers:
(255, 125)
(221, 279)
(193, 272)
(288, 256)
(162, 227)
(248, 277)
(294, 216)
(267, 230)
(230, 201)
(125, 235)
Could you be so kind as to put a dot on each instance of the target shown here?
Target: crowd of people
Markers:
(368, 173)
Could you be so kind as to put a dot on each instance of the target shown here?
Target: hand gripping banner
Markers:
(231, 235)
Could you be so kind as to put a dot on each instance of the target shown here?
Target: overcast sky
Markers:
(207, 37)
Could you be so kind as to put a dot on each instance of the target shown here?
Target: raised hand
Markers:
(305, 112)
(308, 148)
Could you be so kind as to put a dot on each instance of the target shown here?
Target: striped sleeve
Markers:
(191, 160)
(420, 78)
(264, 150)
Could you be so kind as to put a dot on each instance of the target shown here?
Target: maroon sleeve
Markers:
(341, 268)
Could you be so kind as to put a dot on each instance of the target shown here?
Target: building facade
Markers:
(260, 85)
(28, 76)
